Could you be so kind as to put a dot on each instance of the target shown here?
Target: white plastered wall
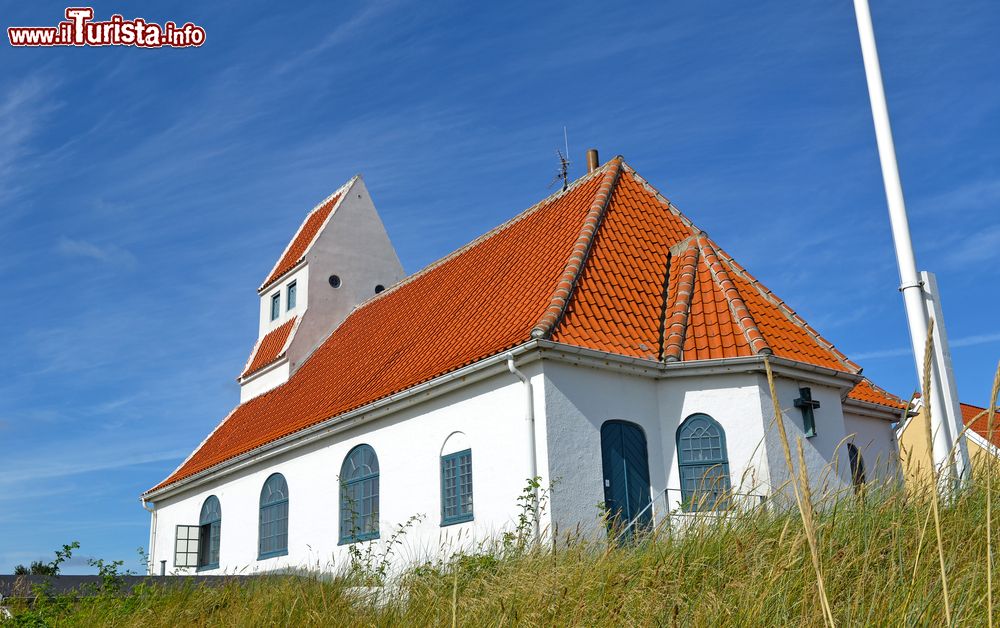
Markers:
(264, 380)
(491, 415)
(733, 400)
(300, 277)
(876, 441)
(580, 399)
(825, 454)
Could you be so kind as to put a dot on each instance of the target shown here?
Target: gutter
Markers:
(532, 350)
(659, 370)
(529, 418)
(874, 410)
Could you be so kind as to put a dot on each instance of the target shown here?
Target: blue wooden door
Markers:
(626, 475)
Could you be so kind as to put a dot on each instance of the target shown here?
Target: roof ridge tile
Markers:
(672, 347)
(581, 249)
(737, 307)
(660, 197)
(513, 220)
(787, 310)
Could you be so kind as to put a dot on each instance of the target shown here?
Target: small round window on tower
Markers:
(379, 288)
(334, 281)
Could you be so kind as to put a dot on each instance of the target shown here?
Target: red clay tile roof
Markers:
(978, 420)
(608, 264)
(618, 304)
(478, 302)
(296, 249)
(269, 348)
(866, 391)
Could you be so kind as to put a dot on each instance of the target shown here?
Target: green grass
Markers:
(878, 557)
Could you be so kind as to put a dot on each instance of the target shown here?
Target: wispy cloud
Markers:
(981, 246)
(971, 195)
(972, 341)
(107, 254)
(968, 341)
(29, 470)
(23, 108)
(342, 33)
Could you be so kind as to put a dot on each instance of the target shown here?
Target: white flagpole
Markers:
(945, 427)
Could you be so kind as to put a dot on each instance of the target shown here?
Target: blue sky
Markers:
(144, 194)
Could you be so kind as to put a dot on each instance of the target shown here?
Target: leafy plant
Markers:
(531, 505)
(370, 565)
(51, 568)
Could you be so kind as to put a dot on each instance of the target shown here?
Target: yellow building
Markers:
(915, 451)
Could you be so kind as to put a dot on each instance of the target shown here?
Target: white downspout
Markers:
(152, 536)
(529, 417)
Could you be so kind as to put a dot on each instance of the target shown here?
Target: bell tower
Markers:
(340, 257)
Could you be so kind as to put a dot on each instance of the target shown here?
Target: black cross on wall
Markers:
(806, 404)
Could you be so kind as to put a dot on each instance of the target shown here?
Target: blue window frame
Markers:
(290, 300)
(273, 529)
(275, 306)
(703, 463)
(359, 495)
(209, 537)
(456, 487)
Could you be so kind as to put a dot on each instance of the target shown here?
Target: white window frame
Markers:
(186, 546)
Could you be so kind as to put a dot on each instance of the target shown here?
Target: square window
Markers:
(291, 296)
(275, 306)
(186, 547)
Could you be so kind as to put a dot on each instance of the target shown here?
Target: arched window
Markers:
(359, 495)
(857, 467)
(703, 463)
(210, 524)
(456, 480)
(273, 518)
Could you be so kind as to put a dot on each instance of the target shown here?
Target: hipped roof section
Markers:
(608, 264)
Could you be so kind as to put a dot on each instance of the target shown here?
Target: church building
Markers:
(598, 341)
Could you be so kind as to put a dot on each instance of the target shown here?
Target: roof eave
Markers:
(495, 364)
(291, 271)
(246, 378)
(802, 371)
(874, 410)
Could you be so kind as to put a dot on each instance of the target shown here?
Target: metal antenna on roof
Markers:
(564, 162)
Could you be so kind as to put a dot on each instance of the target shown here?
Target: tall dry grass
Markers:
(752, 570)
(847, 559)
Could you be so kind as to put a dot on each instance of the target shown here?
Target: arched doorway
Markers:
(626, 475)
